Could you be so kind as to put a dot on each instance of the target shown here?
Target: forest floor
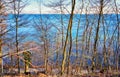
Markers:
(84, 73)
(113, 74)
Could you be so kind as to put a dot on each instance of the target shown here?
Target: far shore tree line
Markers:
(65, 45)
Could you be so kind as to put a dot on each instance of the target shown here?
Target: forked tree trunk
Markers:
(67, 36)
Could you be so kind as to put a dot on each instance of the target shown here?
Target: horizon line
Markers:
(63, 13)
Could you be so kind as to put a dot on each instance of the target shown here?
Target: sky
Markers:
(33, 7)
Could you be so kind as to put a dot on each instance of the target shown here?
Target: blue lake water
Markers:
(28, 22)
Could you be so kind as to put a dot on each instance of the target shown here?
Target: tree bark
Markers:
(97, 35)
(0, 58)
(67, 36)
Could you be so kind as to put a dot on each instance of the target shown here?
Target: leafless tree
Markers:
(68, 35)
(3, 30)
(16, 8)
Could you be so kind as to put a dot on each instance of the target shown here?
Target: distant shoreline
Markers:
(59, 14)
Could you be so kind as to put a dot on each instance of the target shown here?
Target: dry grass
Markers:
(107, 74)
(23, 75)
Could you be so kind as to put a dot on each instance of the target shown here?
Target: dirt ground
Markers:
(97, 74)
(90, 75)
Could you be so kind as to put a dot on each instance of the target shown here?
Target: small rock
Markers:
(42, 75)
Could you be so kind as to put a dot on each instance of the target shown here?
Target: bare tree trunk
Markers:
(118, 35)
(45, 56)
(70, 50)
(16, 33)
(18, 60)
(67, 36)
(11, 69)
(104, 44)
(0, 58)
(62, 24)
(109, 46)
(2, 31)
(97, 35)
(77, 34)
